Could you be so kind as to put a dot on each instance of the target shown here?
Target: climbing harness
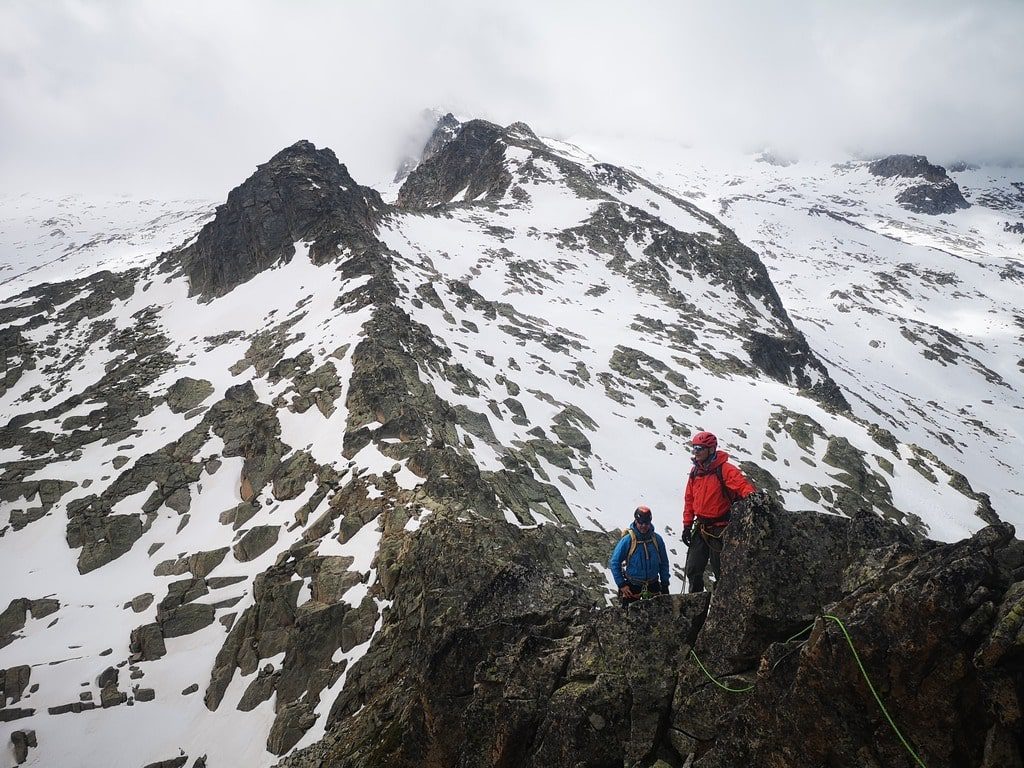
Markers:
(645, 589)
(714, 540)
(860, 666)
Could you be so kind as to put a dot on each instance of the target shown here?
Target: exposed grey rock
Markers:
(76, 707)
(174, 762)
(185, 619)
(908, 166)
(13, 683)
(13, 618)
(293, 476)
(147, 643)
(22, 742)
(15, 713)
(300, 194)
(181, 592)
(111, 697)
(108, 678)
(472, 160)
(187, 393)
(259, 690)
(256, 541)
(939, 195)
(239, 515)
(444, 128)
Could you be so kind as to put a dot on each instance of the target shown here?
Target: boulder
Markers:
(256, 541)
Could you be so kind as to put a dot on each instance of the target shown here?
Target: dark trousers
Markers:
(703, 548)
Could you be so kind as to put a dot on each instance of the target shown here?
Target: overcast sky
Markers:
(186, 97)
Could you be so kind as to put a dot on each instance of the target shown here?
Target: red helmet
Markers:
(705, 440)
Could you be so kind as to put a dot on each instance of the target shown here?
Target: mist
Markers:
(187, 98)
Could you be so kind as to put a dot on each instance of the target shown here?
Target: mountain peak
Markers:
(472, 159)
(938, 194)
(301, 194)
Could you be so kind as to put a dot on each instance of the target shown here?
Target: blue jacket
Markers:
(648, 563)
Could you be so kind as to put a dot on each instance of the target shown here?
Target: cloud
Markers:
(188, 97)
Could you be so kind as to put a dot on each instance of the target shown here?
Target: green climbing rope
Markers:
(712, 679)
(874, 693)
(749, 687)
(860, 666)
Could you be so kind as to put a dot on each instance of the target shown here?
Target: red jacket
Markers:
(704, 497)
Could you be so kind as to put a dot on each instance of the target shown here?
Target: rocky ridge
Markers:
(518, 667)
(365, 476)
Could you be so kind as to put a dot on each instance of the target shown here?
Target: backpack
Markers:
(633, 540)
(727, 493)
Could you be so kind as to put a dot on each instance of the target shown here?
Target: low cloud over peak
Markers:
(189, 97)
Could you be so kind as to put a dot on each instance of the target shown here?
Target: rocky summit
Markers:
(334, 479)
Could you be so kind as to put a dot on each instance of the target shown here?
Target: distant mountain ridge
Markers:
(242, 469)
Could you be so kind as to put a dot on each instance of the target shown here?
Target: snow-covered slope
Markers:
(46, 239)
(207, 457)
(918, 316)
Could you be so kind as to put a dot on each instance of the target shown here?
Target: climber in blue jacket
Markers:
(639, 563)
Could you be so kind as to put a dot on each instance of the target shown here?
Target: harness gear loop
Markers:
(707, 531)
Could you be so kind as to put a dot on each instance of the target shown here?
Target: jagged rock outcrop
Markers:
(492, 658)
(929, 623)
(471, 161)
(938, 195)
(302, 193)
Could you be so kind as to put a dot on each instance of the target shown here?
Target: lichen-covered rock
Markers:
(256, 541)
(301, 194)
(510, 665)
(187, 393)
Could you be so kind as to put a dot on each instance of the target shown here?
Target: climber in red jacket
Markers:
(714, 484)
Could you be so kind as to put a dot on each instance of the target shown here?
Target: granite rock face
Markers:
(938, 194)
(302, 193)
(492, 659)
(471, 161)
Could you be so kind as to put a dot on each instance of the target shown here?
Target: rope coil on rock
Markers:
(860, 666)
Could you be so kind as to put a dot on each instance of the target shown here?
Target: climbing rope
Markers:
(860, 666)
(874, 693)
(712, 679)
(749, 687)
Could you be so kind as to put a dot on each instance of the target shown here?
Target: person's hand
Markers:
(664, 588)
(761, 498)
(626, 592)
(687, 535)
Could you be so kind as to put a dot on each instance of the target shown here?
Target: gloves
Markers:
(687, 535)
(664, 588)
(761, 498)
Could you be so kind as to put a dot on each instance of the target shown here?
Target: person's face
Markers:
(701, 452)
(643, 525)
